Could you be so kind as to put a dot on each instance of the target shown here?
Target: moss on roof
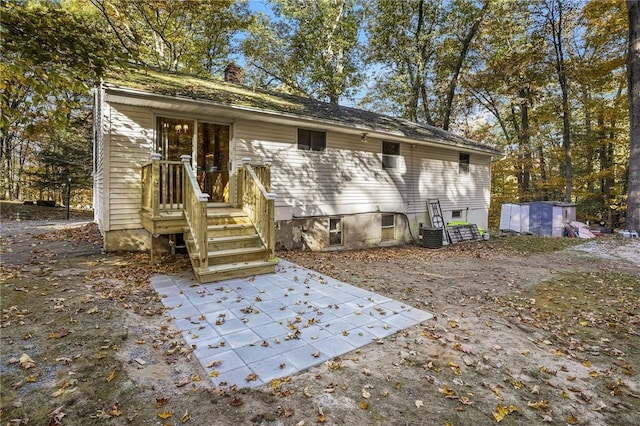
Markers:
(218, 91)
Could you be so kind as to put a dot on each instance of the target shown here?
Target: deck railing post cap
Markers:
(156, 156)
(271, 196)
(268, 161)
(246, 160)
(203, 197)
(185, 157)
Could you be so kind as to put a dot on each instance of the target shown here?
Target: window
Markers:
(335, 231)
(390, 155)
(312, 140)
(463, 164)
(388, 227)
(456, 214)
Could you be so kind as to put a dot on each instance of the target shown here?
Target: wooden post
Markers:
(155, 182)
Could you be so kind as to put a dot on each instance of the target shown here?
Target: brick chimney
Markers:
(233, 73)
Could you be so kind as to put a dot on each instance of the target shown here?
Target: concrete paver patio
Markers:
(253, 330)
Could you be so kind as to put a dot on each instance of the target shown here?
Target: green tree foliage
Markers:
(195, 37)
(309, 48)
(51, 54)
(421, 47)
(514, 77)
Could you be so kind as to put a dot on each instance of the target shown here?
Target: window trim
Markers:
(338, 230)
(464, 160)
(312, 144)
(390, 161)
(384, 227)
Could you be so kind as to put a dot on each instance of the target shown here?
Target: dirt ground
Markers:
(526, 331)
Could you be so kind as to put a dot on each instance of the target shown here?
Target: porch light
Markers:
(364, 139)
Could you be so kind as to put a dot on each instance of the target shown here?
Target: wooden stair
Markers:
(235, 250)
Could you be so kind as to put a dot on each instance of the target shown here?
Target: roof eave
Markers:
(290, 118)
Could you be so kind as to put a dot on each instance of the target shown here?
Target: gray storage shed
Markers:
(543, 218)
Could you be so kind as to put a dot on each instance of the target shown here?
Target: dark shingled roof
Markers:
(221, 92)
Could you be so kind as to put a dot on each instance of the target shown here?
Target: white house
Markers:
(330, 176)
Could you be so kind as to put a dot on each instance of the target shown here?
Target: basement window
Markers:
(463, 163)
(456, 214)
(335, 231)
(390, 155)
(312, 140)
(388, 227)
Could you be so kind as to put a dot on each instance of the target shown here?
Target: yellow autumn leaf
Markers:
(111, 376)
(583, 323)
(364, 405)
(500, 413)
(185, 418)
(365, 394)
(165, 415)
(586, 363)
(448, 392)
(195, 378)
(572, 420)
(557, 352)
(526, 352)
(594, 374)
(453, 324)
(517, 384)
(539, 404)
(214, 373)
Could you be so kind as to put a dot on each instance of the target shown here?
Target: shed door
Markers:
(535, 218)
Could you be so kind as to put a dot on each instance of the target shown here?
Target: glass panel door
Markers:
(175, 139)
(213, 161)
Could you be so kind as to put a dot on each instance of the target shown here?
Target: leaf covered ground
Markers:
(526, 330)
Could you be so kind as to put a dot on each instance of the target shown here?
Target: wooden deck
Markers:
(223, 241)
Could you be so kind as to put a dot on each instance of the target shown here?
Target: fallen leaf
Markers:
(316, 354)
(161, 401)
(115, 410)
(502, 411)
(364, 405)
(26, 362)
(419, 403)
(236, 402)
(572, 420)
(539, 404)
(185, 418)
(365, 394)
(111, 376)
(165, 415)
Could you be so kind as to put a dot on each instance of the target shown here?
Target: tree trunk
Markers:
(633, 75)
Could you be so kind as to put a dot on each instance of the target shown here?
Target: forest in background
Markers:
(544, 81)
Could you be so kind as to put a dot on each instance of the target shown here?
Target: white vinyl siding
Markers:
(348, 178)
(98, 157)
(131, 139)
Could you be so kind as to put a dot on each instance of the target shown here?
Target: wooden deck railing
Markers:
(195, 211)
(162, 185)
(258, 202)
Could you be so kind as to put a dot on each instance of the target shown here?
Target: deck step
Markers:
(230, 229)
(235, 270)
(234, 241)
